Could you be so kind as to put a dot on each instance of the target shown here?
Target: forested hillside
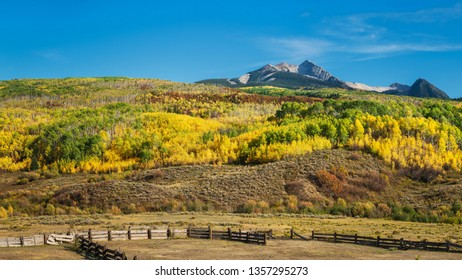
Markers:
(53, 127)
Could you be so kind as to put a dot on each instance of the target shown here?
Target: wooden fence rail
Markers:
(34, 240)
(400, 244)
(247, 236)
(95, 251)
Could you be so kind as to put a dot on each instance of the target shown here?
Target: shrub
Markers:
(292, 203)
(195, 205)
(340, 207)
(296, 188)
(426, 174)
(115, 210)
(50, 209)
(262, 207)
(362, 209)
(354, 156)
(376, 182)
(249, 206)
(383, 210)
(3, 213)
(329, 183)
(156, 174)
(22, 181)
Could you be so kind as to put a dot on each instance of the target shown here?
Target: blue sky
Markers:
(374, 42)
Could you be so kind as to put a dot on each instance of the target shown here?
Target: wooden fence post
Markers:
(188, 232)
(129, 234)
(448, 246)
(210, 233)
(378, 241)
(89, 235)
(247, 236)
(109, 235)
(312, 234)
(356, 238)
(229, 233)
(335, 236)
(44, 239)
(169, 233)
(425, 244)
(291, 233)
(401, 243)
(149, 233)
(264, 243)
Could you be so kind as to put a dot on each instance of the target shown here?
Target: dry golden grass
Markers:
(39, 253)
(196, 249)
(280, 224)
(216, 249)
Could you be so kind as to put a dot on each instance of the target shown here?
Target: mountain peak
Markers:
(423, 88)
(286, 67)
(308, 75)
(308, 68)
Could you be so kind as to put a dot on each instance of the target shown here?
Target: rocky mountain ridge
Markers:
(308, 75)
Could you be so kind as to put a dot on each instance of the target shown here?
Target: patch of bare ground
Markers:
(195, 249)
(60, 252)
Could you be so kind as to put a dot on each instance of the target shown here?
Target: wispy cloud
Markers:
(296, 48)
(369, 36)
(52, 55)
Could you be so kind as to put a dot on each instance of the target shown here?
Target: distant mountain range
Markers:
(309, 75)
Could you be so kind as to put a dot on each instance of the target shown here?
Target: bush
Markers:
(363, 209)
(22, 181)
(115, 210)
(426, 174)
(296, 188)
(329, 183)
(340, 207)
(249, 206)
(383, 210)
(291, 204)
(376, 182)
(3, 213)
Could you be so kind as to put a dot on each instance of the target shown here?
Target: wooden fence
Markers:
(400, 244)
(34, 240)
(94, 251)
(133, 234)
(247, 236)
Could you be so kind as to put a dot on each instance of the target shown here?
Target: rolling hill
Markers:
(113, 145)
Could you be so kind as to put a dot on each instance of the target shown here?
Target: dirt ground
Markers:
(196, 249)
(39, 253)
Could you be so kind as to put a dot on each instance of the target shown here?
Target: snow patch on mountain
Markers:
(244, 78)
(362, 86)
(286, 67)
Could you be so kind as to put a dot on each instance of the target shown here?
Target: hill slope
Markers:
(68, 145)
